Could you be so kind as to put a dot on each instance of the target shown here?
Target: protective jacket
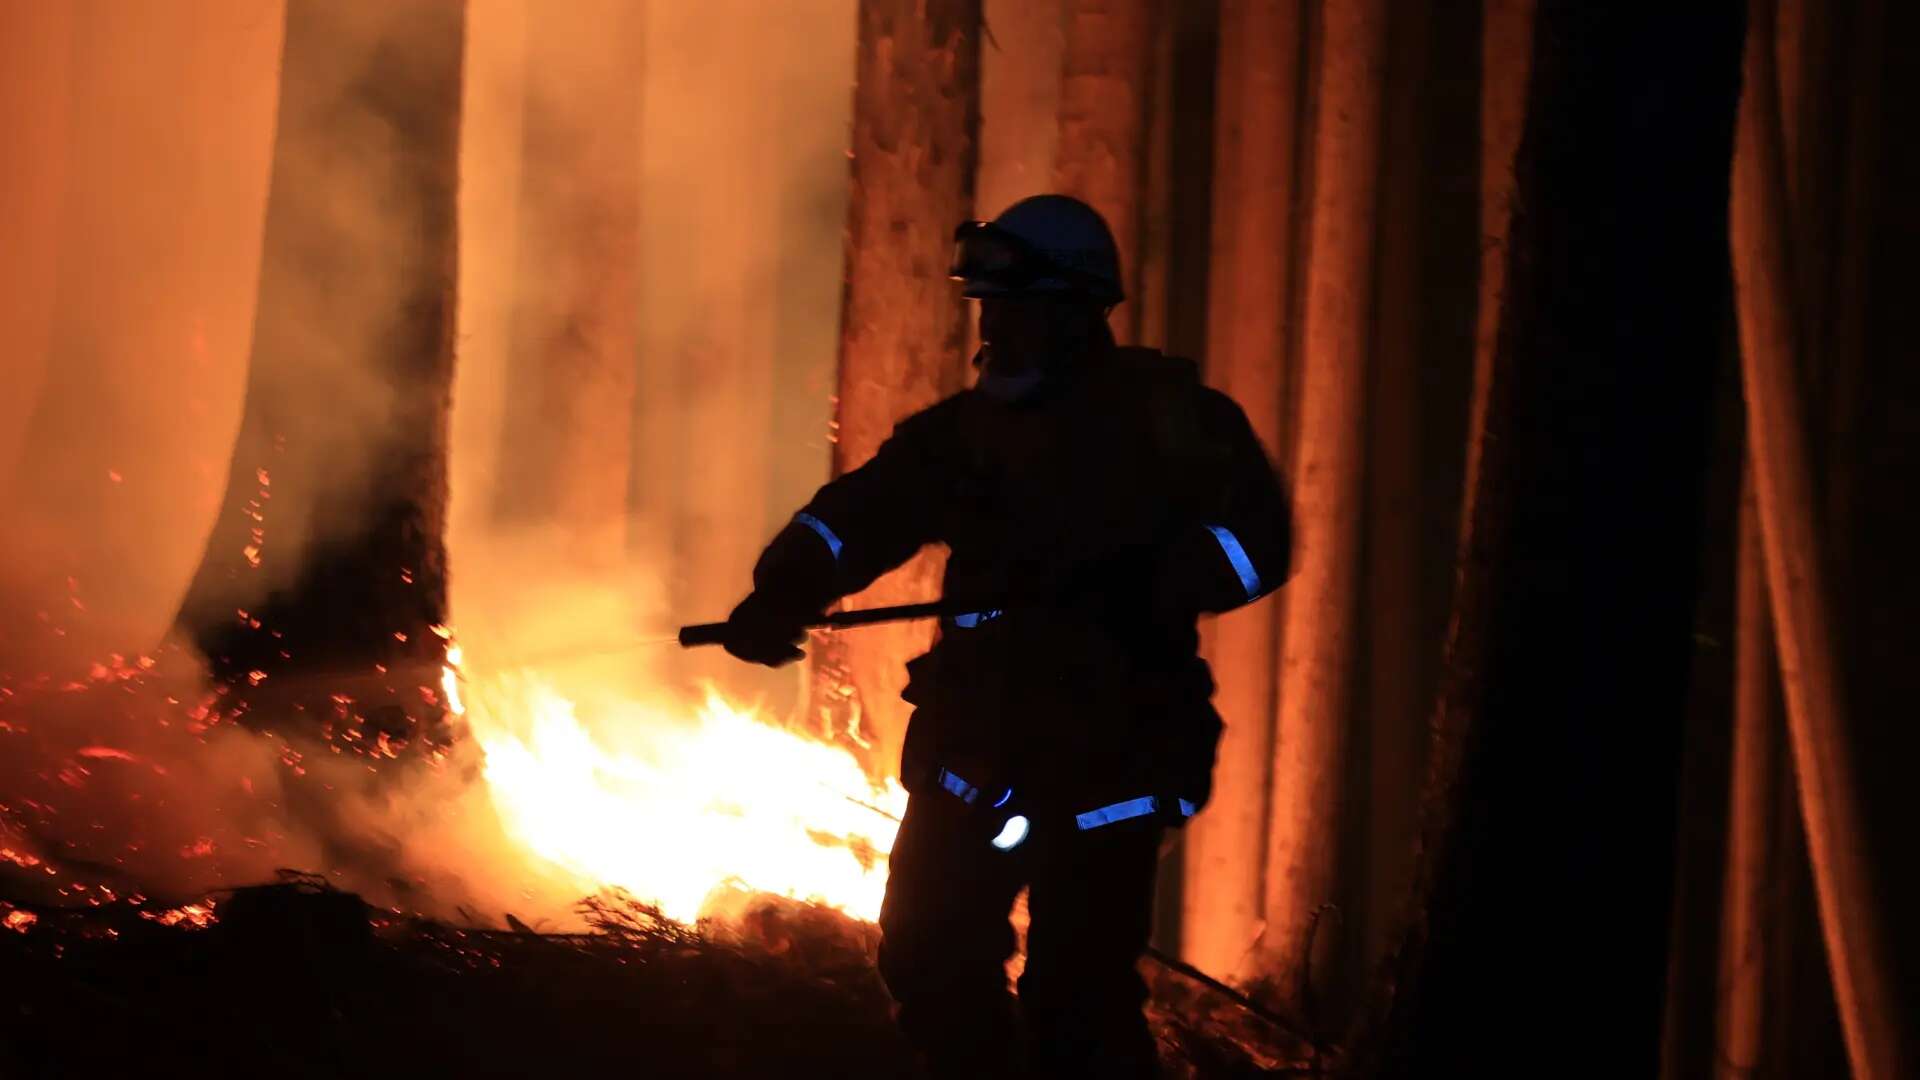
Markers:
(1088, 528)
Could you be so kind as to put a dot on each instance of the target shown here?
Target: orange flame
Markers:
(683, 809)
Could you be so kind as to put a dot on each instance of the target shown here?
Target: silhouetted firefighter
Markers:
(1096, 501)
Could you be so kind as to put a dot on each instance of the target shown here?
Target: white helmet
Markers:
(1045, 243)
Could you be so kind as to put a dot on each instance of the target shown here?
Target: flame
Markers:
(192, 916)
(450, 680)
(685, 809)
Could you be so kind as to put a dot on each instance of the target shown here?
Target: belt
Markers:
(1014, 830)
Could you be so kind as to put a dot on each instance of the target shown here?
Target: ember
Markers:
(189, 916)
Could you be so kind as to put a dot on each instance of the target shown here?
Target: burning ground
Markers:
(538, 895)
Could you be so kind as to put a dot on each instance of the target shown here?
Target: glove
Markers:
(762, 632)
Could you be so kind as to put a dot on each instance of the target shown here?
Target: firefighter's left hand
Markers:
(762, 632)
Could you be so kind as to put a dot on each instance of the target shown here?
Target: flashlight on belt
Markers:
(1014, 825)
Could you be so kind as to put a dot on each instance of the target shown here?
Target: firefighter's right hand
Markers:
(762, 632)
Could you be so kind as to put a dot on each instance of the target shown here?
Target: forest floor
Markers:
(298, 980)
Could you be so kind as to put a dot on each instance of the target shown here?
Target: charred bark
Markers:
(1543, 881)
(915, 122)
(326, 570)
(1251, 301)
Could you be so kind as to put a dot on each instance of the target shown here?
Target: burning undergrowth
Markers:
(139, 780)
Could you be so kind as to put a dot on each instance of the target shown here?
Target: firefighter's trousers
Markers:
(946, 940)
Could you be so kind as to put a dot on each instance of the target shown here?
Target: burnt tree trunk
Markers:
(1320, 604)
(1106, 93)
(326, 569)
(903, 334)
(1426, 271)
(1391, 703)
(568, 446)
(1822, 736)
(1541, 899)
(1251, 301)
(1706, 765)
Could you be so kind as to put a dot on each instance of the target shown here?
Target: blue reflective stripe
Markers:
(1120, 811)
(1237, 555)
(1128, 809)
(827, 534)
(1003, 799)
(974, 618)
(967, 792)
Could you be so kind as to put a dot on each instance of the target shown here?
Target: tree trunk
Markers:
(1821, 732)
(1848, 288)
(327, 563)
(1688, 1043)
(1106, 84)
(1506, 62)
(1542, 891)
(1020, 65)
(1019, 100)
(915, 118)
(1754, 870)
(1426, 122)
(1320, 603)
(568, 443)
(1149, 292)
(36, 60)
(1250, 303)
(1506, 65)
(133, 313)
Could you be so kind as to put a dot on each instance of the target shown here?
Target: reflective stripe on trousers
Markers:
(1124, 810)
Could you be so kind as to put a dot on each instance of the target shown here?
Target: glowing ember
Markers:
(726, 801)
(19, 921)
(192, 916)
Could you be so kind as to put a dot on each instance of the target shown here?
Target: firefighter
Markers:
(1095, 501)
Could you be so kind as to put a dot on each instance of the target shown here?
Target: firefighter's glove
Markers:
(762, 632)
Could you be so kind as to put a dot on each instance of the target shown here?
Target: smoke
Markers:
(708, 394)
(136, 142)
(651, 204)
